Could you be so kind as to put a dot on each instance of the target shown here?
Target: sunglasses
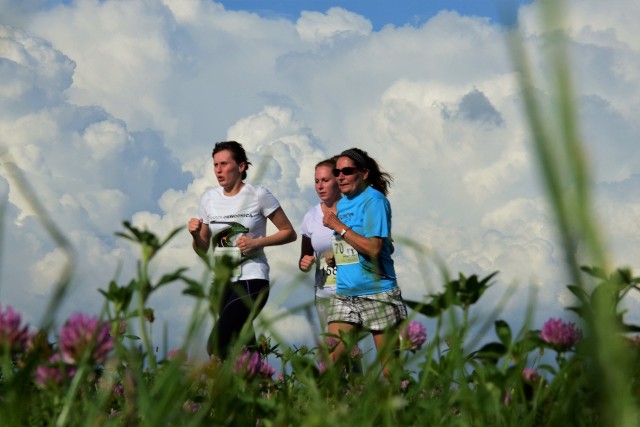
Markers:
(345, 171)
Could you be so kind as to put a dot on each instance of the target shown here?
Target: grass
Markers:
(118, 379)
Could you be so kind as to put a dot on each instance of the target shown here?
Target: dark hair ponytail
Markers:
(377, 178)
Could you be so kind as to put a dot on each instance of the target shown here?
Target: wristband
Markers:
(343, 232)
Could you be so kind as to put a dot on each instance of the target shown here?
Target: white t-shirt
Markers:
(320, 236)
(231, 216)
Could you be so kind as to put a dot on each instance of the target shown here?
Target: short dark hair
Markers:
(237, 152)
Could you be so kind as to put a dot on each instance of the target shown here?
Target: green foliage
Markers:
(612, 288)
(462, 292)
(501, 382)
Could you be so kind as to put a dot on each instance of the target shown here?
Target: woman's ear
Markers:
(365, 175)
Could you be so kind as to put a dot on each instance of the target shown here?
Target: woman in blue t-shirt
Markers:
(367, 293)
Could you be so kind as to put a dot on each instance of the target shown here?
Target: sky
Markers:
(110, 109)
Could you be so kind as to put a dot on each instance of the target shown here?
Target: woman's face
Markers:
(227, 171)
(354, 183)
(326, 185)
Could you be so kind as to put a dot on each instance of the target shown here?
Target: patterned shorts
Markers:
(375, 312)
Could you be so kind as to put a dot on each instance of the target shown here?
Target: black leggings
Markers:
(242, 302)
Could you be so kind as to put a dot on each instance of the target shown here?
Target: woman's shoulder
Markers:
(313, 213)
(256, 188)
(266, 199)
(212, 192)
(374, 197)
(308, 219)
(314, 210)
(372, 193)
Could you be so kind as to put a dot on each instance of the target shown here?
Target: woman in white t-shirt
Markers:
(316, 239)
(233, 217)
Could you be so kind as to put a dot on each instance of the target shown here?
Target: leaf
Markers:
(624, 276)
(194, 288)
(551, 369)
(580, 311)
(198, 293)
(191, 282)
(441, 302)
(631, 328)
(472, 288)
(422, 308)
(302, 364)
(523, 347)
(579, 293)
(595, 272)
(493, 347)
(171, 277)
(605, 293)
(489, 277)
(503, 330)
(490, 352)
(126, 236)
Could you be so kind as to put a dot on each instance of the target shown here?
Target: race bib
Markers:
(234, 256)
(328, 274)
(343, 252)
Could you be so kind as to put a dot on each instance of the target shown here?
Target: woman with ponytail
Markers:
(367, 293)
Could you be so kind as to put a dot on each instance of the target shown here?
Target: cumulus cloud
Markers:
(87, 170)
(336, 23)
(110, 110)
(34, 74)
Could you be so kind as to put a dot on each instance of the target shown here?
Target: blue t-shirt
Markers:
(369, 215)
